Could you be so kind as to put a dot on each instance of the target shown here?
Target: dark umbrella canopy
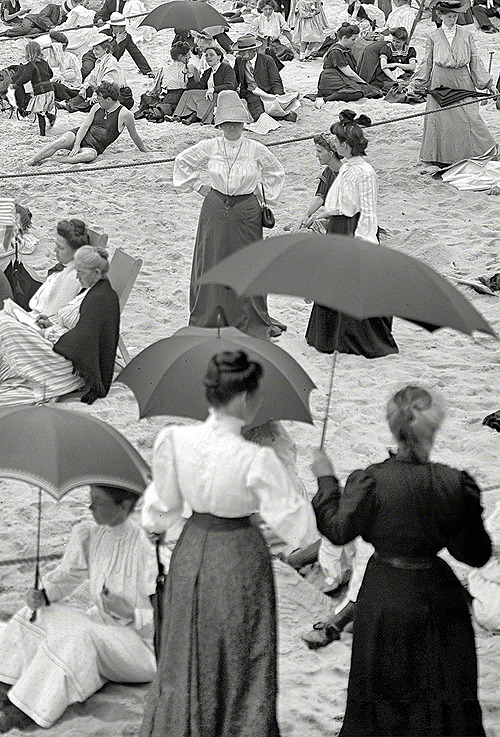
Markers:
(188, 14)
(167, 377)
(351, 276)
(448, 96)
(59, 450)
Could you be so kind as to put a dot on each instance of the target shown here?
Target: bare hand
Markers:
(321, 464)
(74, 152)
(209, 94)
(204, 190)
(35, 599)
(43, 321)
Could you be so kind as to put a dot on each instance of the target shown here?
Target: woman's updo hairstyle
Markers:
(229, 374)
(272, 3)
(119, 495)
(325, 141)
(400, 33)
(347, 30)
(93, 258)
(180, 48)
(349, 130)
(74, 232)
(414, 416)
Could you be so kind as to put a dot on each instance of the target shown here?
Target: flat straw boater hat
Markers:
(451, 6)
(246, 43)
(230, 108)
(117, 19)
(101, 38)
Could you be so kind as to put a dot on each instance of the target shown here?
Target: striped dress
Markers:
(30, 371)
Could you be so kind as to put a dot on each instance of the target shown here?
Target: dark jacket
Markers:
(38, 73)
(110, 6)
(48, 17)
(91, 345)
(267, 76)
(224, 78)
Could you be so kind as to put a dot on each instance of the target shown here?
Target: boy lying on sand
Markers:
(100, 129)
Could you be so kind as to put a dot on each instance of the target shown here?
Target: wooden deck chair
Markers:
(98, 240)
(123, 271)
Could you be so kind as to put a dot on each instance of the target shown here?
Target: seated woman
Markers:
(74, 350)
(199, 104)
(385, 62)
(66, 655)
(269, 27)
(107, 69)
(67, 77)
(11, 12)
(100, 129)
(338, 80)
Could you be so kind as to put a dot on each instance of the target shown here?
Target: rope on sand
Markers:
(170, 160)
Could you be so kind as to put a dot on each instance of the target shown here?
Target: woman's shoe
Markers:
(322, 634)
(190, 119)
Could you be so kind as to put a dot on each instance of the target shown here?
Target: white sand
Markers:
(139, 211)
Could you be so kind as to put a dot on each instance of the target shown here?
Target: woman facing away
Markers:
(38, 72)
(351, 206)
(66, 655)
(239, 169)
(451, 60)
(413, 665)
(72, 350)
(219, 624)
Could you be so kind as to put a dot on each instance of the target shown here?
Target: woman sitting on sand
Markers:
(339, 80)
(66, 655)
(414, 663)
(100, 129)
(269, 27)
(45, 358)
(384, 62)
(198, 103)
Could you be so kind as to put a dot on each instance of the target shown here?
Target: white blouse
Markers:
(271, 27)
(66, 318)
(119, 560)
(59, 289)
(234, 168)
(212, 468)
(355, 190)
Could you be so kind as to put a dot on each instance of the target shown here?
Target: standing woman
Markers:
(413, 664)
(38, 72)
(351, 206)
(327, 157)
(451, 60)
(239, 170)
(217, 668)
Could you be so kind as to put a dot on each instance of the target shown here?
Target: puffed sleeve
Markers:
(472, 544)
(272, 173)
(367, 226)
(422, 74)
(343, 517)
(162, 502)
(73, 569)
(288, 513)
(188, 165)
(480, 76)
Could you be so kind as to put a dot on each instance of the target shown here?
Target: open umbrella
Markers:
(59, 450)
(349, 275)
(167, 377)
(192, 14)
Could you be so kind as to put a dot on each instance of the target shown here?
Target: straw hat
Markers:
(45, 42)
(451, 6)
(117, 19)
(101, 38)
(230, 108)
(246, 43)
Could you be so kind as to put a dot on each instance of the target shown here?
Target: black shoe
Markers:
(51, 117)
(321, 635)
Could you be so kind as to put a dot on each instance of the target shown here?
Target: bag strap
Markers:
(263, 195)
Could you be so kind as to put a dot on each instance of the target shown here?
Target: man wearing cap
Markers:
(257, 74)
(48, 17)
(122, 41)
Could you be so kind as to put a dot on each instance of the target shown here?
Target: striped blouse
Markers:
(355, 190)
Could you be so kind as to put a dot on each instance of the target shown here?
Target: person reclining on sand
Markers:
(32, 23)
(66, 655)
(100, 129)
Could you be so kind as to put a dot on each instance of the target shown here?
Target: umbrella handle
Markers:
(332, 374)
(47, 603)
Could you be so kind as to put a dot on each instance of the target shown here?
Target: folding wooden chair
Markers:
(98, 240)
(123, 271)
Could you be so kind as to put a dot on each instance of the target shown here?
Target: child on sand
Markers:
(100, 129)
(38, 72)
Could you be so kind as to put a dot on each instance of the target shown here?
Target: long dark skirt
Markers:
(371, 338)
(217, 670)
(226, 224)
(413, 665)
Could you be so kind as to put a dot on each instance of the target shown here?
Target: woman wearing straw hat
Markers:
(107, 69)
(239, 170)
(451, 60)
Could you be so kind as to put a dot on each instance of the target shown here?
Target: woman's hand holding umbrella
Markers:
(36, 598)
(321, 464)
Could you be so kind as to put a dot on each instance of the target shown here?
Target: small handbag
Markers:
(268, 219)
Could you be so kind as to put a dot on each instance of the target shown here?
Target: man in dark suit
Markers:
(48, 17)
(110, 6)
(256, 72)
(122, 42)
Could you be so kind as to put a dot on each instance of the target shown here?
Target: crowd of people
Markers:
(213, 662)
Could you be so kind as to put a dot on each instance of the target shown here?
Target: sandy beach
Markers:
(455, 232)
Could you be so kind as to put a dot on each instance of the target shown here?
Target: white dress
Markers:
(67, 655)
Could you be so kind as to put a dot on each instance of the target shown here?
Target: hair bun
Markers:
(79, 227)
(103, 252)
(364, 121)
(232, 362)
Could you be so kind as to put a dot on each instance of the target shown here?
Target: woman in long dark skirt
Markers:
(230, 217)
(351, 206)
(413, 667)
(217, 669)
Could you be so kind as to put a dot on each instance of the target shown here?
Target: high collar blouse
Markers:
(234, 168)
(355, 190)
(211, 468)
